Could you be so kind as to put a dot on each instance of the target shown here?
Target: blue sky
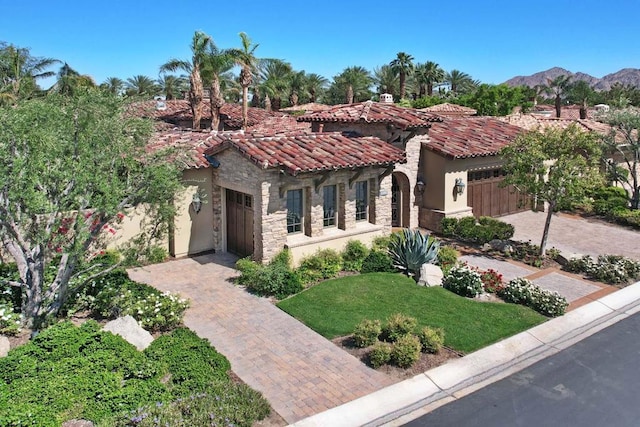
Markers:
(490, 40)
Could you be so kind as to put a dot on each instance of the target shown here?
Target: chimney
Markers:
(386, 98)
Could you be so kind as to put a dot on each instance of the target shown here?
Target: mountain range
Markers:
(626, 76)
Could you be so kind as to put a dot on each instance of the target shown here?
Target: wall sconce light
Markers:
(459, 186)
(196, 202)
(420, 185)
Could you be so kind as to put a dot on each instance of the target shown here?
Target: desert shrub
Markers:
(136, 253)
(381, 243)
(275, 279)
(283, 258)
(609, 199)
(624, 216)
(366, 332)
(447, 258)
(431, 339)
(398, 325)
(491, 281)
(463, 281)
(528, 253)
(377, 262)
(481, 231)
(380, 354)
(353, 255)
(612, 269)
(411, 249)
(406, 351)
(523, 291)
(324, 264)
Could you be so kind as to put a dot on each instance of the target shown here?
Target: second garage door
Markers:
(488, 198)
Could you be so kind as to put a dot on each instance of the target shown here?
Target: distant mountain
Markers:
(626, 76)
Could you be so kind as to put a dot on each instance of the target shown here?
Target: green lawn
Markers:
(333, 308)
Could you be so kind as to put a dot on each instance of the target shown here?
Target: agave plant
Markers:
(410, 249)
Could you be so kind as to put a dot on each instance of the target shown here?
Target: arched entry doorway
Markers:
(400, 212)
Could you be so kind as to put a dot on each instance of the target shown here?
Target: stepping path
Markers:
(298, 371)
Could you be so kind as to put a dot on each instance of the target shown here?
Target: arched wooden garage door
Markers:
(239, 223)
(488, 198)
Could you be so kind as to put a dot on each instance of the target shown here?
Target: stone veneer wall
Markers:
(411, 169)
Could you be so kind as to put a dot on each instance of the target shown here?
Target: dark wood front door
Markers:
(239, 223)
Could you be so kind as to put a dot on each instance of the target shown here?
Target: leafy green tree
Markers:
(558, 89)
(246, 59)
(20, 72)
(495, 100)
(403, 66)
(63, 181)
(579, 92)
(70, 81)
(199, 45)
(556, 167)
(624, 141)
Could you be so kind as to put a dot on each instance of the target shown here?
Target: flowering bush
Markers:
(523, 291)
(612, 269)
(9, 321)
(463, 281)
(491, 281)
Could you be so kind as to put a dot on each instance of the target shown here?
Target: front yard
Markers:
(333, 308)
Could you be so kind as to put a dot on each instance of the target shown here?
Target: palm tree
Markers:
(316, 85)
(297, 87)
(141, 86)
(70, 81)
(403, 66)
(113, 85)
(458, 81)
(217, 63)
(245, 58)
(427, 75)
(171, 86)
(19, 72)
(355, 81)
(579, 92)
(386, 79)
(199, 45)
(275, 81)
(557, 87)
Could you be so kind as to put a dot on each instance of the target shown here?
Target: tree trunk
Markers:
(558, 106)
(216, 101)
(267, 103)
(245, 106)
(196, 96)
(294, 99)
(545, 232)
(583, 110)
(349, 94)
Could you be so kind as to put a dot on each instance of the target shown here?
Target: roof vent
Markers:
(161, 105)
(386, 98)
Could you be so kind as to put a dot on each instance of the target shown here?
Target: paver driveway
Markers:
(298, 371)
(575, 235)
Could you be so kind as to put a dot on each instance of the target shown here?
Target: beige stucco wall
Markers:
(128, 228)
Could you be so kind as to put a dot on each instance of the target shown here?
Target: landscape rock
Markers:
(563, 259)
(77, 423)
(503, 246)
(129, 329)
(4, 346)
(430, 275)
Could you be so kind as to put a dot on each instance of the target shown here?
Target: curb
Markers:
(409, 399)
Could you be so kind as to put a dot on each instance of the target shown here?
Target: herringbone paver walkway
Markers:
(298, 371)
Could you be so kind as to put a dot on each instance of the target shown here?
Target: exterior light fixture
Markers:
(420, 185)
(196, 202)
(459, 186)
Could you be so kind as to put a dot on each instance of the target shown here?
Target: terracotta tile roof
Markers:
(461, 138)
(537, 122)
(446, 109)
(567, 111)
(373, 112)
(295, 153)
(307, 108)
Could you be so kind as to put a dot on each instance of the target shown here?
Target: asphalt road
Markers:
(595, 382)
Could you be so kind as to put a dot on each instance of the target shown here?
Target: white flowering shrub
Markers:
(612, 269)
(9, 321)
(523, 291)
(463, 281)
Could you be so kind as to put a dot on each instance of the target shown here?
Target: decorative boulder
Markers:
(129, 329)
(5, 346)
(430, 275)
(565, 259)
(503, 246)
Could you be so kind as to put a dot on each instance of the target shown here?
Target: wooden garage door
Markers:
(487, 198)
(239, 223)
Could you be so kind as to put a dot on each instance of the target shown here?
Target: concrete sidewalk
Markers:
(407, 400)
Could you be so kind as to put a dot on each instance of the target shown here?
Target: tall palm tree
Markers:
(199, 45)
(141, 86)
(458, 81)
(355, 81)
(245, 58)
(19, 72)
(171, 86)
(558, 87)
(297, 87)
(427, 75)
(386, 79)
(403, 65)
(113, 85)
(275, 81)
(316, 85)
(217, 63)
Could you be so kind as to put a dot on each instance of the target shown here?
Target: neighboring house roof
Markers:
(566, 112)
(231, 114)
(447, 109)
(460, 138)
(295, 153)
(307, 108)
(373, 112)
(536, 122)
